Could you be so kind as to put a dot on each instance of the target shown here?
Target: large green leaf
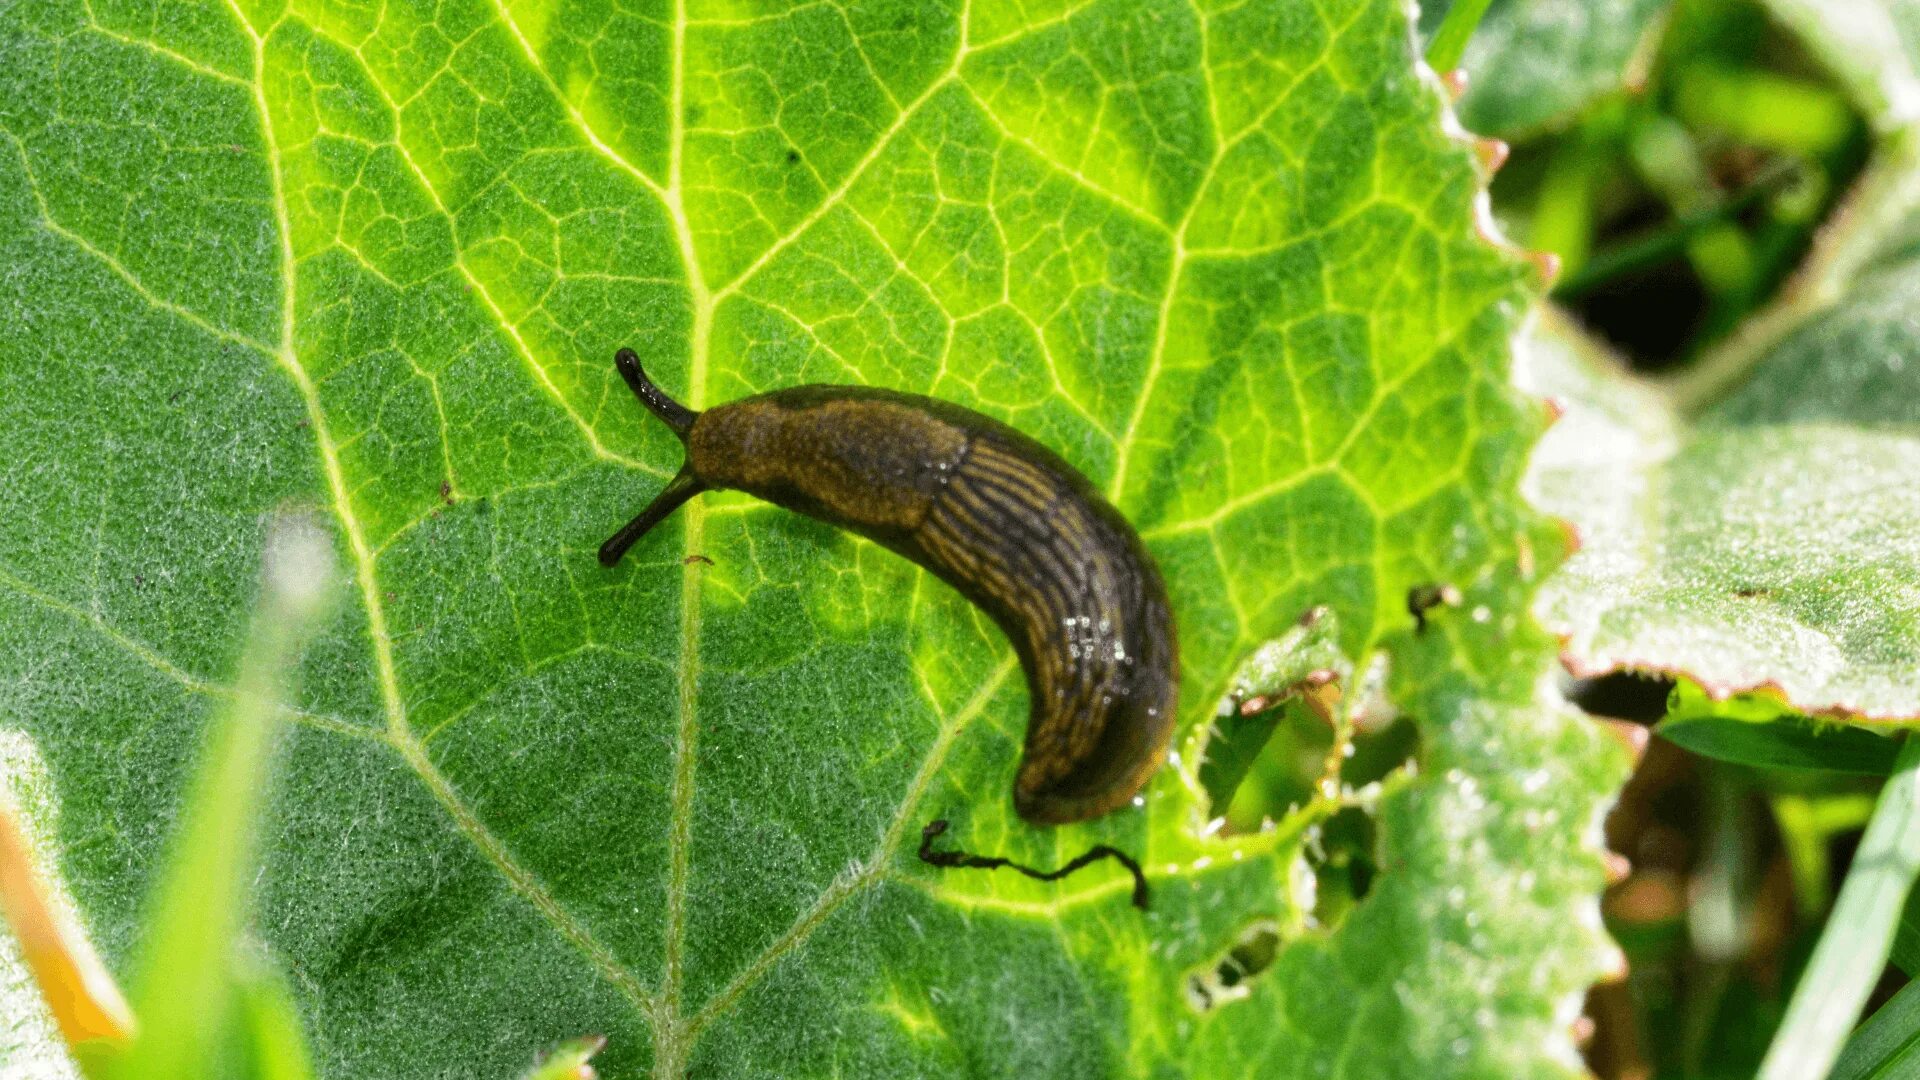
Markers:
(1770, 546)
(376, 259)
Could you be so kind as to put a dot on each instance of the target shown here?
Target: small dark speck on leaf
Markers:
(481, 505)
(1752, 592)
(300, 425)
(446, 492)
(793, 157)
(691, 559)
(1424, 598)
(174, 398)
(139, 581)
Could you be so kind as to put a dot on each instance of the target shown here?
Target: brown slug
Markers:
(1007, 522)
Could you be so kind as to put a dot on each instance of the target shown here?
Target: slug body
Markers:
(1018, 531)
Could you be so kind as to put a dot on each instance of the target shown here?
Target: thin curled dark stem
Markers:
(675, 415)
(965, 859)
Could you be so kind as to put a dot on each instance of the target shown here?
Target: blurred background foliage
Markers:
(1680, 158)
(1685, 180)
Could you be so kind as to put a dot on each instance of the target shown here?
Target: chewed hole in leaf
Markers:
(1344, 865)
(1304, 761)
(1300, 727)
(1333, 873)
(1317, 741)
(1274, 757)
(1284, 700)
(1230, 977)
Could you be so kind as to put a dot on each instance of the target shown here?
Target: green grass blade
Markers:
(1888, 1044)
(1449, 42)
(1906, 939)
(1808, 825)
(183, 1000)
(269, 1025)
(1854, 946)
(1783, 744)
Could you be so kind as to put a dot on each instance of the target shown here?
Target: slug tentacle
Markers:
(682, 487)
(677, 416)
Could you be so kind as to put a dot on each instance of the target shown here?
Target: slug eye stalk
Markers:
(675, 415)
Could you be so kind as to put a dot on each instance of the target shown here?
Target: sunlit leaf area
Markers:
(1518, 403)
